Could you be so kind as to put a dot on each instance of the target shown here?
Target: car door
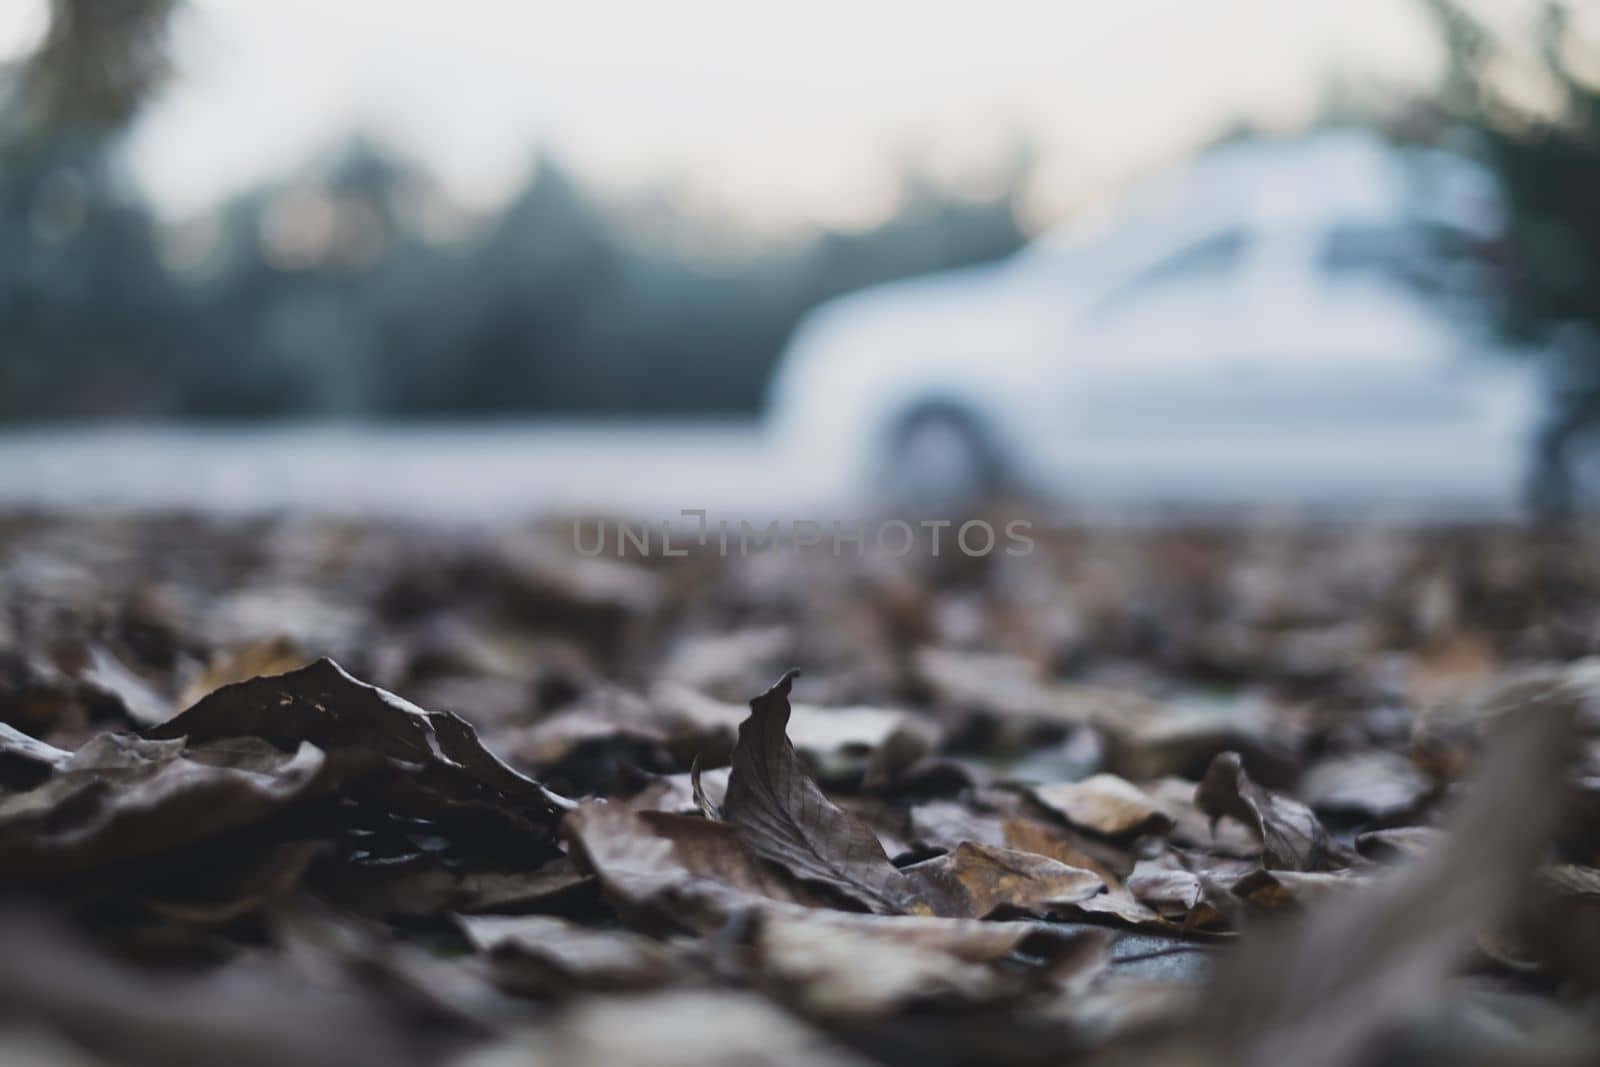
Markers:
(1374, 370)
(1168, 363)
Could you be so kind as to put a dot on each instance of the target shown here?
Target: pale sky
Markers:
(777, 114)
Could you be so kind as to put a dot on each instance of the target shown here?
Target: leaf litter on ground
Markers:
(1207, 795)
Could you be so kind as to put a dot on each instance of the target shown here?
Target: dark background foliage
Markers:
(335, 296)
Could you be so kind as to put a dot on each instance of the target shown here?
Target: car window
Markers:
(1213, 259)
(1221, 253)
(1357, 249)
(1439, 260)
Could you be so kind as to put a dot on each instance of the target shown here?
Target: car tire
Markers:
(940, 460)
(1566, 479)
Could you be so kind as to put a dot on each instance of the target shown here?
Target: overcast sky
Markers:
(777, 114)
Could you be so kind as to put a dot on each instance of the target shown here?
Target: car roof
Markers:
(1332, 177)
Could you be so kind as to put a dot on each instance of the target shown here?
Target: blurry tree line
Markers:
(1546, 151)
(337, 293)
(1533, 106)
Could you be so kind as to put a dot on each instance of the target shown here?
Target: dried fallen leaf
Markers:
(120, 799)
(779, 813)
(437, 752)
(1105, 804)
(977, 881)
(675, 868)
(1291, 836)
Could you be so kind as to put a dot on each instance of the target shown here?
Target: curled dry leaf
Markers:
(1193, 828)
(325, 706)
(780, 814)
(1189, 890)
(888, 739)
(1291, 836)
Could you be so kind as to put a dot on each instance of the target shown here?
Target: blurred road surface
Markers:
(489, 471)
(444, 471)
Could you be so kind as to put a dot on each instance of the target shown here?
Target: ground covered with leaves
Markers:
(331, 793)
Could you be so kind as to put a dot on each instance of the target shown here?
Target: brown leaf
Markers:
(780, 814)
(1194, 829)
(976, 881)
(1190, 890)
(1291, 836)
(943, 824)
(675, 867)
(1119, 903)
(1105, 804)
(120, 798)
(323, 705)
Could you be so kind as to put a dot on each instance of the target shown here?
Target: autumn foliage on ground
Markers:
(321, 792)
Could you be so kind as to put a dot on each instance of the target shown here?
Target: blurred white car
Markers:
(1273, 321)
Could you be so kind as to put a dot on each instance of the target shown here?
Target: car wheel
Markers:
(1566, 476)
(1581, 459)
(941, 460)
